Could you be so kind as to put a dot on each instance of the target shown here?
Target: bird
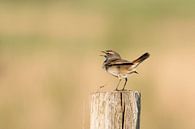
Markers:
(119, 67)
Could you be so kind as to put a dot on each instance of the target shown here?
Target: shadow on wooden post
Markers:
(115, 110)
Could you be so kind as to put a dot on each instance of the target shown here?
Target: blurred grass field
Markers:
(49, 60)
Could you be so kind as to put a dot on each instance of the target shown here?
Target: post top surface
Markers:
(120, 91)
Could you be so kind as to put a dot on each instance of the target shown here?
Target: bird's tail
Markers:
(141, 59)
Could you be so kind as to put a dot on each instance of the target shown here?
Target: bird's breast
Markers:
(114, 70)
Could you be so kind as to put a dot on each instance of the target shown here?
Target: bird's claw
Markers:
(117, 89)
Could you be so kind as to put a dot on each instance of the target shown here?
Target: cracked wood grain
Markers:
(115, 110)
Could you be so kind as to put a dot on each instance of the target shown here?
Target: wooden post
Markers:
(115, 110)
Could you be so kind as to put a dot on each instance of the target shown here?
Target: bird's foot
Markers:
(124, 89)
(117, 89)
(120, 90)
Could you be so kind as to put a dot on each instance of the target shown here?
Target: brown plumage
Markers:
(141, 58)
(119, 67)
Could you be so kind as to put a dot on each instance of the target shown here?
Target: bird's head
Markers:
(110, 54)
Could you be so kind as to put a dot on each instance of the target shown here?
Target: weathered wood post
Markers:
(115, 110)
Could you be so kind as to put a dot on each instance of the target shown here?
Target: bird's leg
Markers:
(125, 84)
(118, 85)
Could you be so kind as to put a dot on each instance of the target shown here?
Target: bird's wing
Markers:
(119, 62)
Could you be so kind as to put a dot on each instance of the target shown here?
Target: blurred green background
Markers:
(50, 63)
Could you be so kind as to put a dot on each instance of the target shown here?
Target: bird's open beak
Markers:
(104, 53)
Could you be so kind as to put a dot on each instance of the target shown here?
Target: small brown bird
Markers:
(119, 67)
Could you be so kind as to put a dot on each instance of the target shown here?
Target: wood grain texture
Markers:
(115, 110)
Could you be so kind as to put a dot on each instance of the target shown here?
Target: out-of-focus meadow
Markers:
(50, 63)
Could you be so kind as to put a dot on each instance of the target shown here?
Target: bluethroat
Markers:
(119, 67)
